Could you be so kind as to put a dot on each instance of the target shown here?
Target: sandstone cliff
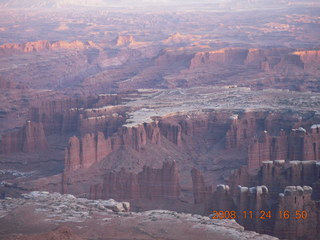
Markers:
(303, 221)
(121, 41)
(94, 147)
(278, 187)
(264, 139)
(30, 138)
(41, 45)
(262, 59)
(153, 184)
(299, 144)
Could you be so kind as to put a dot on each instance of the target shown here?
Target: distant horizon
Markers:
(219, 4)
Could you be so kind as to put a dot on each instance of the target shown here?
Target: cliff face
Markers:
(223, 56)
(91, 148)
(62, 117)
(297, 145)
(172, 131)
(261, 59)
(249, 127)
(276, 188)
(202, 193)
(30, 138)
(124, 40)
(296, 200)
(153, 184)
(242, 129)
(198, 186)
(83, 152)
(113, 159)
(243, 132)
(58, 114)
(133, 137)
(15, 48)
(311, 59)
(70, 115)
(266, 137)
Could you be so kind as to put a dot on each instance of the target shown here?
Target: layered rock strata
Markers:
(280, 197)
(153, 184)
(30, 138)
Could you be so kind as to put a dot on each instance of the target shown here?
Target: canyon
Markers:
(131, 148)
(175, 121)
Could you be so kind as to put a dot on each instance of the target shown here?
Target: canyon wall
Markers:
(94, 147)
(283, 198)
(28, 139)
(41, 45)
(299, 144)
(153, 184)
(51, 114)
(62, 117)
(75, 115)
(262, 59)
(264, 139)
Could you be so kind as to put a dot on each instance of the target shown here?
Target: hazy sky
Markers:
(218, 4)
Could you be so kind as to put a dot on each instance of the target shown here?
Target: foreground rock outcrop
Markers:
(98, 219)
(61, 233)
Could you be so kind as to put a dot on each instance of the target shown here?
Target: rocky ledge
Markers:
(62, 207)
(38, 214)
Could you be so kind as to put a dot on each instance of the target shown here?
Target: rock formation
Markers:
(124, 40)
(283, 206)
(171, 131)
(264, 141)
(41, 45)
(297, 214)
(30, 138)
(310, 59)
(52, 212)
(153, 184)
(51, 114)
(199, 187)
(61, 233)
(297, 145)
(93, 147)
(89, 149)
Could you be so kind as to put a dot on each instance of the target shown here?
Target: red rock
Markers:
(14, 48)
(171, 131)
(124, 40)
(298, 145)
(150, 183)
(199, 188)
(94, 147)
(278, 177)
(72, 154)
(297, 201)
(311, 59)
(35, 139)
(30, 138)
(222, 56)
